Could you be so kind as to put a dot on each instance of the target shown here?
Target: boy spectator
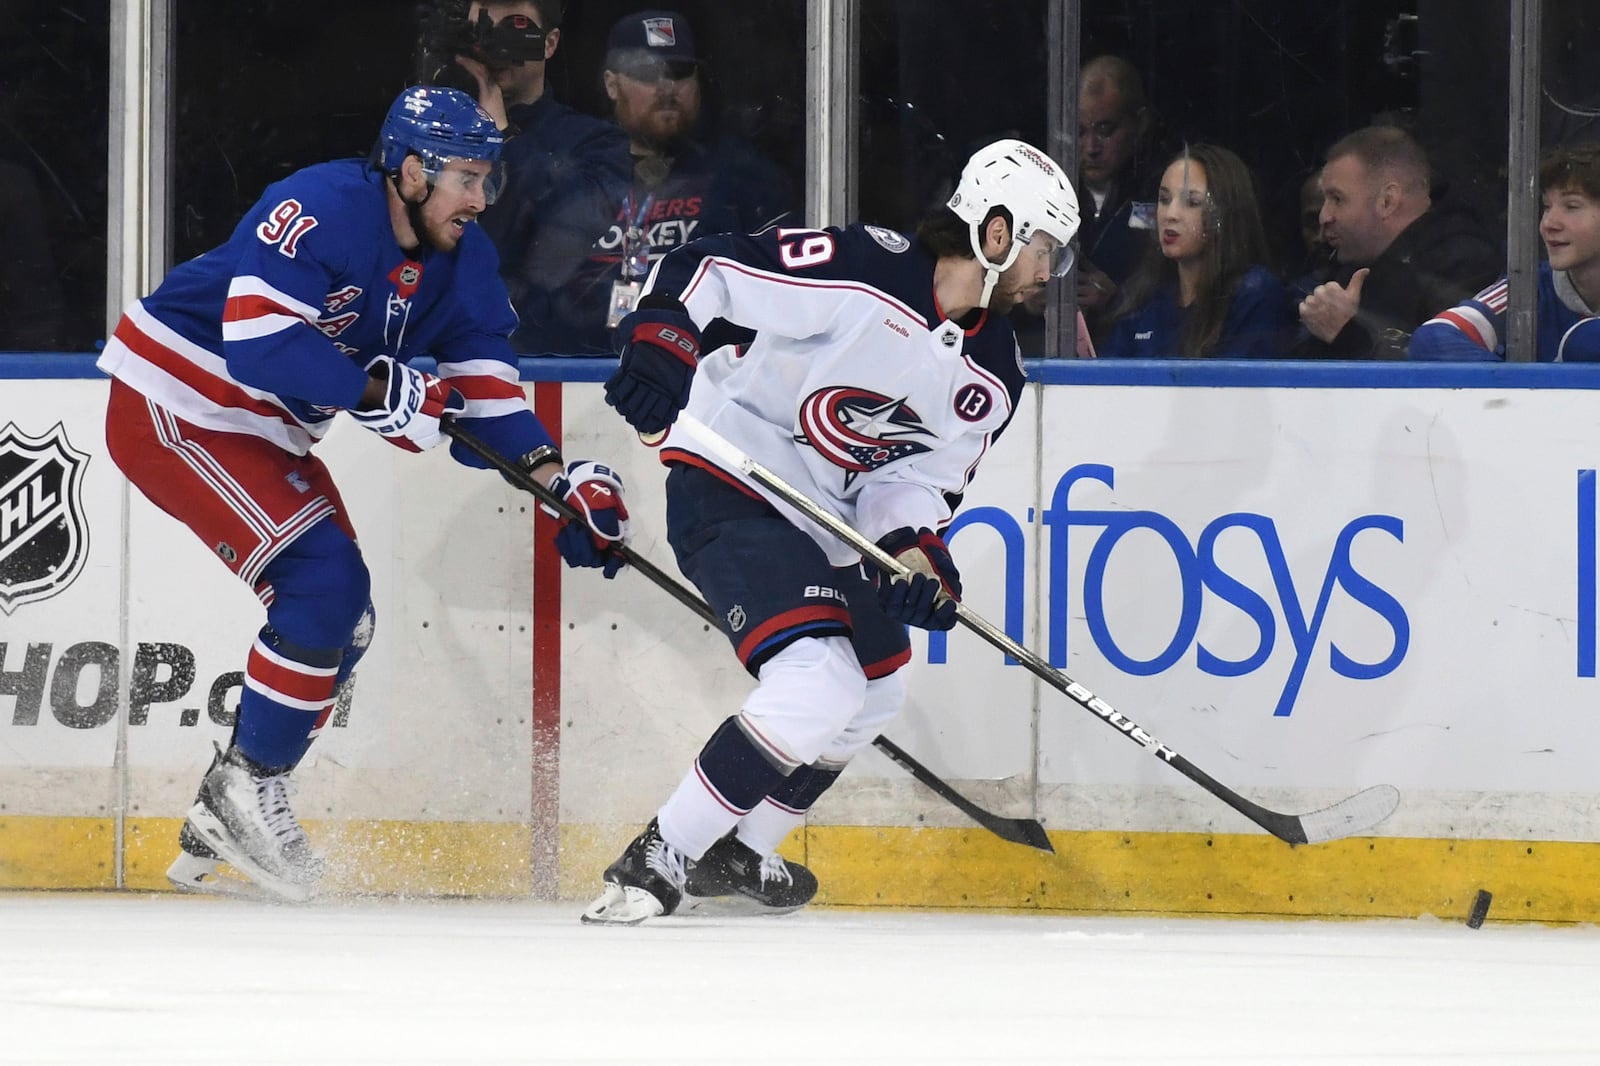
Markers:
(1569, 281)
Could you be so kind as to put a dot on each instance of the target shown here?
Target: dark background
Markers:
(266, 86)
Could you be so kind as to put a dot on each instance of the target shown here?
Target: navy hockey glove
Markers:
(595, 492)
(659, 347)
(926, 597)
(412, 406)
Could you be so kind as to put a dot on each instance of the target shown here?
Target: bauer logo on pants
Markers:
(44, 538)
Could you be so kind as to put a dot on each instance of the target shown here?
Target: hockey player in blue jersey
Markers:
(1569, 280)
(882, 369)
(225, 377)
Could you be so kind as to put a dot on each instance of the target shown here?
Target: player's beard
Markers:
(426, 239)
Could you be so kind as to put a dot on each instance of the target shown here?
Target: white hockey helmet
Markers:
(1027, 183)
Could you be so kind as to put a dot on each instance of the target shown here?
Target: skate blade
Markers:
(731, 906)
(196, 876)
(213, 833)
(621, 906)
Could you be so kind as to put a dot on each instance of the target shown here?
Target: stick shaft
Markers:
(1292, 828)
(1016, 830)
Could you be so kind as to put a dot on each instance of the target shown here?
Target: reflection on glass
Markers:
(689, 121)
(53, 64)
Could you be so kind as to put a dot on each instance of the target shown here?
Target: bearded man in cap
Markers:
(679, 187)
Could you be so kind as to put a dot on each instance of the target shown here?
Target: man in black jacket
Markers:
(1399, 256)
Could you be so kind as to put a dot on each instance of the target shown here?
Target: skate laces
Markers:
(273, 794)
(667, 861)
(773, 868)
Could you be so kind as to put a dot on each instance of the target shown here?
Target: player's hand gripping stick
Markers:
(412, 405)
(927, 595)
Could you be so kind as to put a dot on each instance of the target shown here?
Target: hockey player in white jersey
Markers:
(873, 371)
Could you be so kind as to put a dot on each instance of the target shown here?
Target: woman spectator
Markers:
(1204, 292)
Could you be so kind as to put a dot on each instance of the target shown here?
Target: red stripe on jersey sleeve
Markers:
(254, 305)
(219, 391)
(1464, 324)
(485, 387)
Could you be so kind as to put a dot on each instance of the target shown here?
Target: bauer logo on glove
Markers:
(659, 348)
(413, 403)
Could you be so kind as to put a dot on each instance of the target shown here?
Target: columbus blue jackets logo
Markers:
(44, 538)
(860, 431)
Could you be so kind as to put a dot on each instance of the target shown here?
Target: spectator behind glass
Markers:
(30, 293)
(1114, 127)
(1207, 293)
(552, 153)
(679, 187)
(1400, 256)
(1569, 282)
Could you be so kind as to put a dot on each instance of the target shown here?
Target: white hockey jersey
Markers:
(855, 389)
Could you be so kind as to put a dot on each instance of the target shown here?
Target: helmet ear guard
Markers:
(1017, 177)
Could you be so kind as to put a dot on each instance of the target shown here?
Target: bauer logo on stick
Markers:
(44, 537)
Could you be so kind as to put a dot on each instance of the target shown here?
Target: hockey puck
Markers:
(1480, 909)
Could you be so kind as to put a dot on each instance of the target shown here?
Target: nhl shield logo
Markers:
(44, 537)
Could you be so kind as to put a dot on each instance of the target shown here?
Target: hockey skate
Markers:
(647, 881)
(242, 817)
(200, 869)
(733, 878)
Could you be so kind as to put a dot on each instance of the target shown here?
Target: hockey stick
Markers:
(1351, 815)
(1023, 831)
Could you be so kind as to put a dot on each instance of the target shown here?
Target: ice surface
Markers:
(103, 978)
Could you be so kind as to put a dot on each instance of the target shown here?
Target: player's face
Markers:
(459, 196)
(1350, 222)
(1025, 278)
(1570, 227)
(1182, 210)
(656, 104)
(1106, 136)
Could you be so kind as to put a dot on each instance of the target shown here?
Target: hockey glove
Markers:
(413, 404)
(659, 347)
(595, 492)
(926, 597)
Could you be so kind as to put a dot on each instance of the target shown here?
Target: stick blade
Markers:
(1350, 816)
(1032, 834)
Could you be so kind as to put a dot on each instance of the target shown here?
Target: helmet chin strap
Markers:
(991, 269)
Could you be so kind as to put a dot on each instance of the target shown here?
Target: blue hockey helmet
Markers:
(438, 125)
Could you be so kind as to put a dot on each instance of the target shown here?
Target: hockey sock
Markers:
(730, 776)
(784, 808)
(319, 592)
(287, 691)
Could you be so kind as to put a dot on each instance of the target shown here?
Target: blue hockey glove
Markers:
(926, 597)
(659, 348)
(595, 492)
(1581, 343)
(412, 406)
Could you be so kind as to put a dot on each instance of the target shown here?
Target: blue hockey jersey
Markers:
(857, 389)
(270, 333)
(1475, 330)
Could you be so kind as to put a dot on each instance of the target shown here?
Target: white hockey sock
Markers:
(694, 818)
(768, 826)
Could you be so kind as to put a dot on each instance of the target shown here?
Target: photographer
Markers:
(498, 49)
